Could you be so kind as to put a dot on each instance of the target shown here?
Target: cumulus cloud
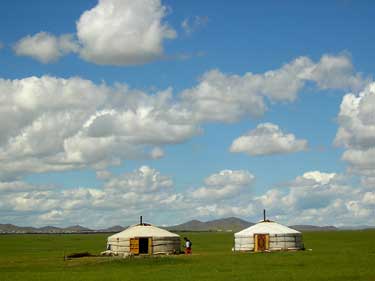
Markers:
(192, 24)
(224, 97)
(225, 184)
(143, 190)
(219, 97)
(334, 72)
(103, 174)
(157, 153)
(45, 47)
(267, 139)
(369, 181)
(123, 32)
(314, 190)
(19, 186)
(356, 132)
(145, 179)
(314, 178)
(356, 120)
(114, 32)
(122, 198)
(325, 197)
(55, 124)
(313, 198)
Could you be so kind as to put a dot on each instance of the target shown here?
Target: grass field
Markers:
(343, 255)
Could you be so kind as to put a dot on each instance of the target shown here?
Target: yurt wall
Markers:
(275, 242)
(268, 236)
(143, 239)
(165, 245)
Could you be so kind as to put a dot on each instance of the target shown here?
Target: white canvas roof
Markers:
(266, 227)
(143, 231)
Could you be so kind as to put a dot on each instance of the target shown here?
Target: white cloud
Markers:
(267, 139)
(192, 24)
(225, 184)
(145, 179)
(369, 180)
(20, 186)
(123, 32)
(322, 199)
(45, 47)
(314, 178)
(223, 98)
(357, 131)
(334, 72)
(29, 201)
(53, 216)
(228, 97)
(103, 174)
(312, 198)
(313, 190)
(55, 124)
(360, 159)
(369, 198)
(143, 191)
(114, 32)
(157, 153)
(356, 120)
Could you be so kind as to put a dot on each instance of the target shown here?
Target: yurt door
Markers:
(261, 242)
(134, 246)
(144, 245)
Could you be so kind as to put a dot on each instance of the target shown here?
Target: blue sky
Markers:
(209, 56)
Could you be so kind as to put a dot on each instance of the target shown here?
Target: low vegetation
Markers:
(339, 255)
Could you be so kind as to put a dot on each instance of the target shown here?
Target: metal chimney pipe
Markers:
(264, 215)
(140, 220)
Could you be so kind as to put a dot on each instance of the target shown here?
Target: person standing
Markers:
(188, 245)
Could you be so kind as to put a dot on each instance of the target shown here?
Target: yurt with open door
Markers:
(268, 236)
(143, 239)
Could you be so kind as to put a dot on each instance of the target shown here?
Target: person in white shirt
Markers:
(188, 245)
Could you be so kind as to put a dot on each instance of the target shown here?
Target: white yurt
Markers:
(143, 239)
(268, 236)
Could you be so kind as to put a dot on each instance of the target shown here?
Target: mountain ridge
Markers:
(230, 224)
(225, 224)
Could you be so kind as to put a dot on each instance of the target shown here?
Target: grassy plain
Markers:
(343, 255)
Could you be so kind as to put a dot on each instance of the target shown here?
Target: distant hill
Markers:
(304, 228)
(10, 228)
(76, 228)
(226, 224)
(236, 224)
(49, 229)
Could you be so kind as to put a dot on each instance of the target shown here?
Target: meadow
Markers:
(341, 255)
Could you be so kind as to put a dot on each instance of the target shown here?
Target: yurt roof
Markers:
(266, 227)
(144, 230)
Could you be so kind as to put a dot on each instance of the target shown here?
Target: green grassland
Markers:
(341, 255)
